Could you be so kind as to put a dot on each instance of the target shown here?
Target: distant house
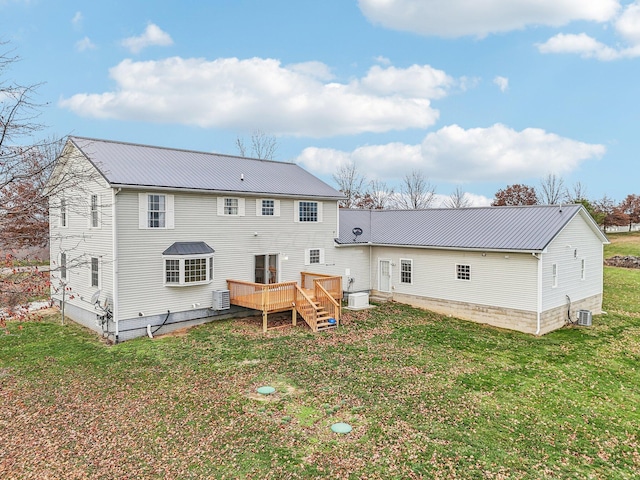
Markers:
(523, 268)
(158, 239)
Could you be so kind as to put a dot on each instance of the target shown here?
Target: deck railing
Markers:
(272, 297)
(331, 283)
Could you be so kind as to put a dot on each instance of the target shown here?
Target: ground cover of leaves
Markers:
(427, 397)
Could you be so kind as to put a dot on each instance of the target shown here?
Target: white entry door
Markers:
(385, 276)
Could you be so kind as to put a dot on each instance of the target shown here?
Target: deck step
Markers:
(326, 325)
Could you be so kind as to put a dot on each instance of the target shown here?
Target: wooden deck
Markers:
(317, 300)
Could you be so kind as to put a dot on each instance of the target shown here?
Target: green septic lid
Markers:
(266, 390)
(341, 427)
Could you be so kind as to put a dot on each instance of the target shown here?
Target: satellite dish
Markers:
(357, 231)
(95, 298)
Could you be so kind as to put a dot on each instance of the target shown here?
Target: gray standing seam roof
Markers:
(528, 228)
(189, 248)
(127, 164)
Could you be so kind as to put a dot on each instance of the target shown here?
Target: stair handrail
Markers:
(323, 294)
(312, 320)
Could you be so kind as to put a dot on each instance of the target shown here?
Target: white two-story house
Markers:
(150, 233)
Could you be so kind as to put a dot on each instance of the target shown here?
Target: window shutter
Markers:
(319, 212)
(296, 211)
(170, 223)
(321, 255)
(307, 256)
(258, 207)
(241, 207)
(142, 211)
(220, 206)
(276, 208)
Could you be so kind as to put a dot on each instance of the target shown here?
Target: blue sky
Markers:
(479, 94)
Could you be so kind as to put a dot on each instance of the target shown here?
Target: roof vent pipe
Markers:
(242, 177)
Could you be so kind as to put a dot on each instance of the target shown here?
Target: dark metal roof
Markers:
(126, 164)
(189, 248)
(529, 228)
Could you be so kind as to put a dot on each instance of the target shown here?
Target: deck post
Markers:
(264, 321)
(294, 316)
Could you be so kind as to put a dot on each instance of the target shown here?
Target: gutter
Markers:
(114, 244)
(431, 247)
(225, 192)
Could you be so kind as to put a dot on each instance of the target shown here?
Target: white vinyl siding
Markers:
(156, 211)
(267, 207)
(231, 206)
(308, 211)
(314, 256)
(495, 280)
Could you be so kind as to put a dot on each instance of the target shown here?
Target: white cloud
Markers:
(85, 44)
(626, 25)
(153, 35)
(454, 18)
(382, 60)
(77, 19)
(502, 83)
(294, 100)
(453, 154)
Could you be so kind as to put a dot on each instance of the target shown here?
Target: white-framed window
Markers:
(155, 211)
(184, 270)
(95, 272)
(267, 207)
(314, 256)
(63, 212)
(463, 272)
(94, 211)
(554, 275)
(406, 271)
(308, 211)
(63, 266)
(583, 271)
(231, 206)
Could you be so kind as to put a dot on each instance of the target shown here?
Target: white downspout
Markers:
(539, 302)
(114, 244)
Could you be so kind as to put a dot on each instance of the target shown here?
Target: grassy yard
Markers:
(427, 396)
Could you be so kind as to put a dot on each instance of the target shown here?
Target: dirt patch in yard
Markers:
(627, 261)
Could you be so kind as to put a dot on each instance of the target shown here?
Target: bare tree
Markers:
(552, 190)
(261, 146)
(458, 199)
(381, 195)
(516, 194)
(577, 193)
(350, 183)
(416, 192)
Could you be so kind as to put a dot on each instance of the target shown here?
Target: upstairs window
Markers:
(155, 211)
(268, 208)
(314, 256)
(94, 212)
(306, 211)
(463, 272)
(231, 206)
(63, 212)
(95, 272)
(582, 269)
(63, 266)
(554, 275)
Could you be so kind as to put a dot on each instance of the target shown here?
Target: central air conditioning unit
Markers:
(221, 300)
(584, 318)
(358, 300)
